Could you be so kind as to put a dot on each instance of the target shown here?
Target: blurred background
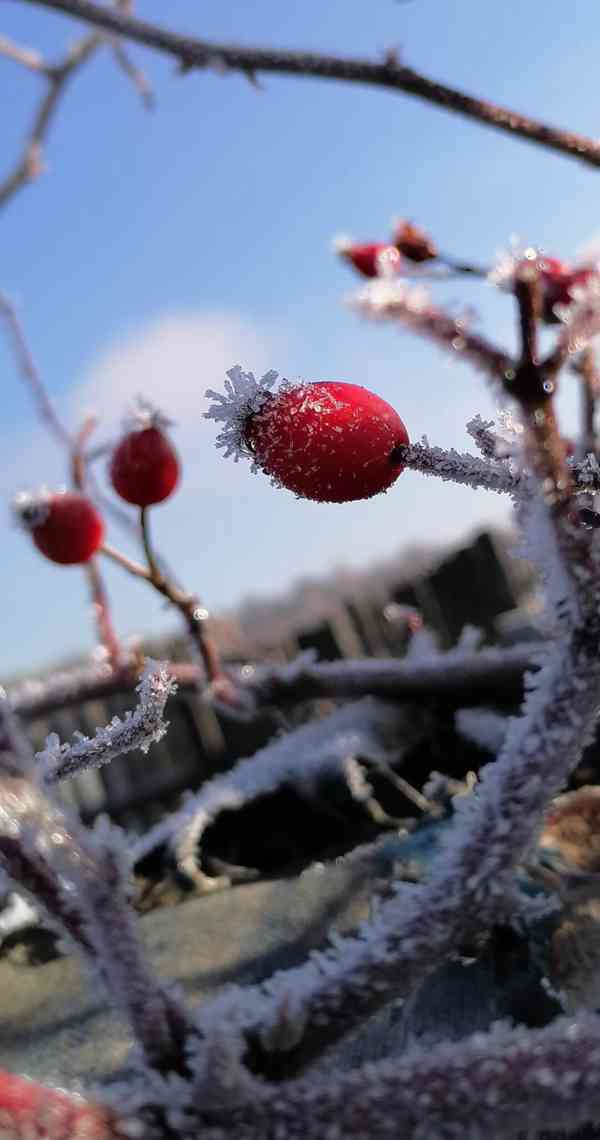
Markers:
(158, 248)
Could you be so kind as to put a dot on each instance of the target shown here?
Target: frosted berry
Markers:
(414, 243)
(558, 281)
(144, 468)
(30, 1109)
(374, 259)
(64, 525)
(328, 441)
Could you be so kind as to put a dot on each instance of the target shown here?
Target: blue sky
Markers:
(159, 249)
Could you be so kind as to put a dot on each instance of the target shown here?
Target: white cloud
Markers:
(172, 360)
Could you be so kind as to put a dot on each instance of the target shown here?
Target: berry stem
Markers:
(150, 558)
(587, 369)
(100, 603)
(463, 268)
(533, 386)
(189, 606)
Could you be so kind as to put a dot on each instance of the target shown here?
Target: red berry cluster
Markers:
(67, 527)
(381, 259)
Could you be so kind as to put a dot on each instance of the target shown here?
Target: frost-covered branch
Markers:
(456, 467)
(300, 758)
(487, 441)
(385, 300)
(139, 729)
(30, 374)
(79, 879)
(389, 73)
(471, 882)
(483, 727)
(37, 697)
(456, 676)
(505, 1083)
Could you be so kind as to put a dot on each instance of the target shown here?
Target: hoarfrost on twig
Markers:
(365, 728)
(139, 729)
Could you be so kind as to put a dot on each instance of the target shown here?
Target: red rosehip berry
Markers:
(414, 243)
(30, 1109)
(327, 441)
(144, 468)
(64, 525)
(373, 259)
(558, 282)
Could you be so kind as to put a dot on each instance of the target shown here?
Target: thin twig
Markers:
(30, 373)
(136, 76)
(27, 57)
(388, 73)
(100, 603)
(193, 612)
(30, 165)
(533, 386)
(75, 449)
(590, 392)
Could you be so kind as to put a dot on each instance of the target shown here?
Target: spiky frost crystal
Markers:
(244, 394)
(139, 729)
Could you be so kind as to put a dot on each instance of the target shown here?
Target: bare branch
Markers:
(80, 879)
(74, 446)
(23, 55)
(389, 73)
(137, 77)
(470, 885)
(31, 375)
(195, 615)
(30, 165)
(587, 369)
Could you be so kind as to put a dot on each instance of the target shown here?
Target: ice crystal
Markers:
(144, 414)
(481, 431)
(503, 272)
(243, 396)
(31, 508)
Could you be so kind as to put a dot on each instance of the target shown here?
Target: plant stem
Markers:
(388, 73)
(189, 606)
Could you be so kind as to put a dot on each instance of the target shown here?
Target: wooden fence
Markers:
(471, 587)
